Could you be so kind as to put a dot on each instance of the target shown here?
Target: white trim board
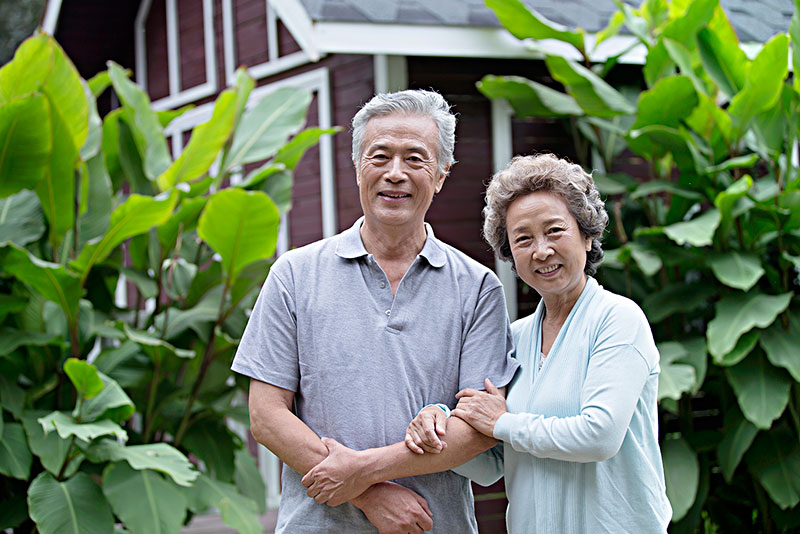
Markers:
(178, 95)
(502, 150)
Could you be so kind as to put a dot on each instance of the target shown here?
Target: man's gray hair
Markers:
(410, 102)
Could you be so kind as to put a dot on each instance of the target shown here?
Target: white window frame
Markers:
(178, 95)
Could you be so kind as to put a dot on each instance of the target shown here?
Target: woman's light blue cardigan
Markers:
(579, 446)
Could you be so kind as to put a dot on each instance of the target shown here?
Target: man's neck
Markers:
(393, 243)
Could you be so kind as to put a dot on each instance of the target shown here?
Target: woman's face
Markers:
(548, 248)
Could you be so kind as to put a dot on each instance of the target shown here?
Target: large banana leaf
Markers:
(75, 506)
(26, 143)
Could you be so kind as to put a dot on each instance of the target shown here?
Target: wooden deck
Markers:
(212, 524)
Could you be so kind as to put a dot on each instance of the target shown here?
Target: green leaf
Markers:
(15, 455)
(248, 479)
(241, 227)
(49, 447)
(185, 218)
(681, 55)
(697, 357)
(698, 232)
(524, 23)
(724, 61)
(682, 475)
(738, 313)
(727, 200)
(765, 79)
(76, 506)
(669, 102)
(742, 349)
(775, 460)
(143, 122)
(146, 285)
(67, 427)
(84, 377)
(658, 186)
(612, 28)
(12, 395)
(697, 15)
(155, 347)
(13, 511)
(529, 98)
(648, 261)
(99, 83)
(198, 318)
(10, 304)
(11, 340)
(179, 275)
(166, 116)
(675, 378)
(204, 145)
(156, 456)
(291, 153)
(56, 189)
(738, 270)
(111, 403)
(781, 345)
(761, 389)
(94, 221)
(656, 141)
(41, 65)
(264, 129)
(133, 217)
(236, 510)
(733, 446)
(593, 94)
(50, 280)
(658, 64)
(746, 161)
(21, 219)
(26, 143)
(31, 65)
(215, 445)
(613, 183)
(159, 507)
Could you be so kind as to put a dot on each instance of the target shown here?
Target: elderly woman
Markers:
(579, 428)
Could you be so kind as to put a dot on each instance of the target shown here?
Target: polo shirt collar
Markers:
(350, 245)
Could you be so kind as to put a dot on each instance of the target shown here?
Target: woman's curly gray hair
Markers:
(545, 172)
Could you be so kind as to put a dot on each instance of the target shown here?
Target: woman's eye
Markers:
(555, 230)
(521, 239)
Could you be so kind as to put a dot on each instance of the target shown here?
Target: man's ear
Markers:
(442, 178)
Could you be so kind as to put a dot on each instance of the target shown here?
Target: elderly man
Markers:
(352, 335)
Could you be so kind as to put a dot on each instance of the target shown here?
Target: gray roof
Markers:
(754, 20)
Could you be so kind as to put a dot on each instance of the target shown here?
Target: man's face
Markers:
(398, 173)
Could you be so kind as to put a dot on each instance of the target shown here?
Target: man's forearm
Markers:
(397, 461)
(275, 426)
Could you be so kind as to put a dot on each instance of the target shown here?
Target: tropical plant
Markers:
(705, 235)
(125, 277)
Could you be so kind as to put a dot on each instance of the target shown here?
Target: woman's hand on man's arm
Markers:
(481, 409)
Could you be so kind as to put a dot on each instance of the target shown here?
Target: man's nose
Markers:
(396, 171)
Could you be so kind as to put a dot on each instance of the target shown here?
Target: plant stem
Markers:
(763, 507)
(208, 358)
(73, 337)
(151, 399)
(67, 459)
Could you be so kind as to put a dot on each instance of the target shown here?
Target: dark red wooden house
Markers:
(344, 51)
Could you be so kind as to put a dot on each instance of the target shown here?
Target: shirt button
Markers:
(383, 284)
(388, 312)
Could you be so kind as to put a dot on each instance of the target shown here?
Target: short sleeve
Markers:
(268, 348)
(488, 345)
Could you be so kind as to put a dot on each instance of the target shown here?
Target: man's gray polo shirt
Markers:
(362, 362)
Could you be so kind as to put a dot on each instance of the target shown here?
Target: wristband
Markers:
(441, 406)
